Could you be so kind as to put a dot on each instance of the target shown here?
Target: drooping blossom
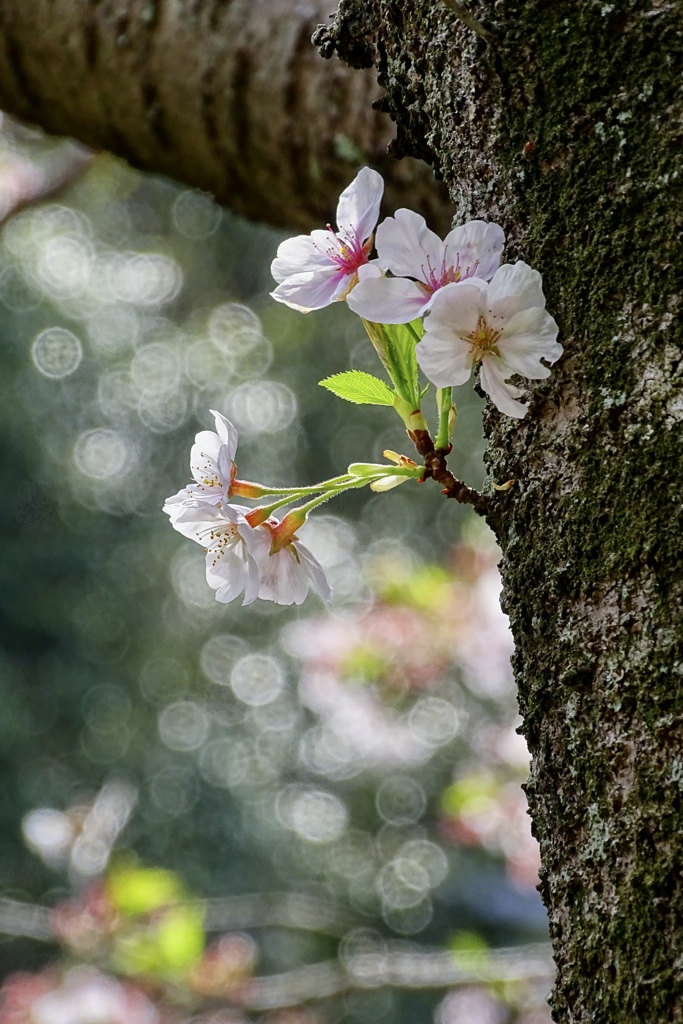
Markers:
(315, 270)
(287, 572)
(212, 462)
(504, 326)
(228, 541)
(422, 265)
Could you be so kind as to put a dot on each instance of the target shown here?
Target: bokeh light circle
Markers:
(401, 800)
(262, 407)
(183, 725)
(433, 721)
(56, 352)
(233, 326)
(144, 279)
(196, 215)
(429, 856)
(156, 368)
(409, 920)
(318, 816)
(257, 679)
(101, 453)
(219, 654)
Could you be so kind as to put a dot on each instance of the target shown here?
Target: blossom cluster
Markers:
(443, 307)
(476, 312)
(248, 551)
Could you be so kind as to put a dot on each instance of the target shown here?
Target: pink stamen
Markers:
(349, 253)
(448, 273)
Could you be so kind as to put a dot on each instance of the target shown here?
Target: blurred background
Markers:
(208, 812)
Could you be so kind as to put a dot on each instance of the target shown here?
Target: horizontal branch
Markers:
(228, 96)
(297, 911)
(399, 968)
(396, 965)
(25, 921)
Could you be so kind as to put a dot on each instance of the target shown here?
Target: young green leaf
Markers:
(359, 387)
(401, 340)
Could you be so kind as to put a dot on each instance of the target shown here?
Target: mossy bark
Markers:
(568, 130)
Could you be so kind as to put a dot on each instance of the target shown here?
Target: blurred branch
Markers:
(230, 97)
(25, 920)
(277, 910)
(397, 965)
(297, 911)
(398, 968)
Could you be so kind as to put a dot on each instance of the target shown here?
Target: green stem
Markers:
(299, 492)
(443, 437)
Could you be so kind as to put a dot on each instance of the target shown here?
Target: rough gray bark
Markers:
(567, 129)
(226, 95)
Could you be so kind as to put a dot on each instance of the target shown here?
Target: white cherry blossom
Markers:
(229, 543)
(212, 462)
(504, 326)
(422, 265)
(287, 573)
(315, 270)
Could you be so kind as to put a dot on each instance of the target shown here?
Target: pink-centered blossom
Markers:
(423, 264)
(315, 270)
(503, 326)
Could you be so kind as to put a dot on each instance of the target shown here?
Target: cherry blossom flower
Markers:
(504, 326)
(286, 572)
(315, 270)
(212, 461)
(228, 541)
(410, 250)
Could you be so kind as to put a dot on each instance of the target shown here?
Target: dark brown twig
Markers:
(436, 467)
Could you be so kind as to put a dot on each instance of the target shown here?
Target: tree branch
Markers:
(398, 967)
(228, 96)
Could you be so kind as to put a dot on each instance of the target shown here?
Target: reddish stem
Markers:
(437, 468)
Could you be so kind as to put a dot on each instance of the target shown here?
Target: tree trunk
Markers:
(567, 129)
(225, 95)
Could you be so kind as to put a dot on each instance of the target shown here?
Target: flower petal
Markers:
(226, 432)
(359, 203)
(407, 247)
(476, 247)
(314, 571)
(515, 286)
(282, 578)
(227, 576)
(194, 521)
(454, 310)
(446, 362)
(310, 291)
(387, 300)
(502, 394)
(303, 254)
(526, 339)
(369, 270)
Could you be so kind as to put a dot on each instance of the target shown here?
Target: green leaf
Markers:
(401, 360)
(135, 890)
(168, 945)
(359, 387)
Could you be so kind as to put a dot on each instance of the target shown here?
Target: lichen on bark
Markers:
(567, 130)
